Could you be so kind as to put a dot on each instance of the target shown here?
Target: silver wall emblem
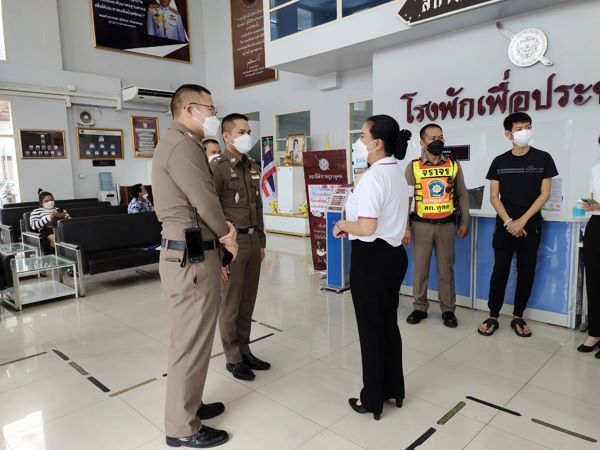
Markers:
(526, 47)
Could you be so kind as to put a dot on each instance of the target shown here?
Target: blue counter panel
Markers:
(462, 268)
(551, 287)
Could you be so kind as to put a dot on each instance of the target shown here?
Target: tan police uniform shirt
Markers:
(181, 180)
(237, 183)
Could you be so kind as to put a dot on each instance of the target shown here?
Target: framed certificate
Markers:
(100, 143)
(145, 136)
(43, 144)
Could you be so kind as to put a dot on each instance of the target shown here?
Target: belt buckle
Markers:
(251, 230)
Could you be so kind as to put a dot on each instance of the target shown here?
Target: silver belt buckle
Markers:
(251, 230)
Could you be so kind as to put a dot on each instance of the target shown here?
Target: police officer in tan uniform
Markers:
(441, 200)
(237, 182)
(185, 198)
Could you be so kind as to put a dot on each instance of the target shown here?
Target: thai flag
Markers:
(268, 174)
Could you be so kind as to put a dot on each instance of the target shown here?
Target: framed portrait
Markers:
(43, 144)
(294, 148)
(154, 28)
(144, 135)
(100, 143)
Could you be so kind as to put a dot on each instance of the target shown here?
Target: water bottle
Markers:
(578, 210)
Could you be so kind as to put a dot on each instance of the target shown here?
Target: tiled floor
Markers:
(119, 335)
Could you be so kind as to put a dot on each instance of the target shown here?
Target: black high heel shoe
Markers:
(588, 348)
(398, 401)
(361, 409)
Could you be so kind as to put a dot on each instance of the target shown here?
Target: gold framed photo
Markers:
(43, 144)
(100, 143)
(294, 148)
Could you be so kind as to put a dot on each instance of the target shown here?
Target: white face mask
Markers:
(360, 150)
(48, 205)
(210, 125)
(522, 138)
(211, 157)
(243, 143)
(145, 196)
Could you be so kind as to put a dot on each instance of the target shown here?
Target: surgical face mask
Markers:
(243, 143)
(145, 196)
(522, 138)
(211, 157)
(436, 147)
(210, 125)
(361, 151)
(49, 205)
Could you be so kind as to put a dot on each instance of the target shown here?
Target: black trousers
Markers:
(505, 245)
(591, 259)
(376, 273)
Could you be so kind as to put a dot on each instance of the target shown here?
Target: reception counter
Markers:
(557, 292)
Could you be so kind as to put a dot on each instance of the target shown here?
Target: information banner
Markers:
(145, 135)
(248, 44)
(324, 171)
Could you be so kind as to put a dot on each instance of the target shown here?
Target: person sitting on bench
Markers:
(139, 200)
(45, 218)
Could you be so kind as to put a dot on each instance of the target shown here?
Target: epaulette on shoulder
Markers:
(218, 160)
(173, 10)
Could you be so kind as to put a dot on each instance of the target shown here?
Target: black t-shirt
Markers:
(521, 179)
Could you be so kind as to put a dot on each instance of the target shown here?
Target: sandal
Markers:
(492, 324)
(519, 325)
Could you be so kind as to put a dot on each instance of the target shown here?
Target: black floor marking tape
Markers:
(564, 430)
(164, 375)
(262, 337)
(491, 405)
(99, 385)
(450, 414)
(22, 359)
(61, 354)
(270, 326)
(421, 439)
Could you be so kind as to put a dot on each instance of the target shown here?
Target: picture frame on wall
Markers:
(43, 144)
(294, 148)
(145, 135)
(96, 144)
(152, 28)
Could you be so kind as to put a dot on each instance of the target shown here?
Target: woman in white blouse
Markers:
(591, 259)
(377, 212)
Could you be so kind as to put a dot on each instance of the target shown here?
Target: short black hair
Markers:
(42, 194)
(427, 127)
(180, 95)
(229, 119)
(518, 117)
(205, 142)
(135, 190)
(394, 139)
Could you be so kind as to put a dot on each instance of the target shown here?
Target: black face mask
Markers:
(435, 148)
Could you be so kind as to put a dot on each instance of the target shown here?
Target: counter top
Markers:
(549, 216)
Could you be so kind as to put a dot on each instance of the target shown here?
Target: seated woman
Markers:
(45, 218)
(139, 200)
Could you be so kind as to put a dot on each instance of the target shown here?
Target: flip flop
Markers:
(518, 325)
(490, 323)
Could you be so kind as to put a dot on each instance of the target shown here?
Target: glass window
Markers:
(9, 179)
(2, 49)
(293, 123)
(352, 6)
(301, 15)
(359, 112)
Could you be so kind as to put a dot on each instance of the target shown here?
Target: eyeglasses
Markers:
(211, 108)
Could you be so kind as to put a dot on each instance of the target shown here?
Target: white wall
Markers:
(476, 59)
(292, 92)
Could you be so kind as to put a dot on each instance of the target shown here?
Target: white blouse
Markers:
(595, 186)
(382, 194)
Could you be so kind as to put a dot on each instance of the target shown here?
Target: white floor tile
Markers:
(496, 356)
(30, 370)
(398, 428)
(555, 409)
(109, 425)
(327, 440)
(491, 438)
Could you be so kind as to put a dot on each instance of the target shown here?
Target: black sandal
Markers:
(489, 323)
(521, 324)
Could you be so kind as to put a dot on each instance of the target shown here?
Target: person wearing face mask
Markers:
(139, 200)
(44, 219)
(188, 208)
(441, 201)
(377, 213)
(520, 184)
(237, 182)
(212, 148)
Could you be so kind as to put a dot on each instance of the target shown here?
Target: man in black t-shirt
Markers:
(520, 183)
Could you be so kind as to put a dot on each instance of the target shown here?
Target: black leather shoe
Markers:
(240, 371)
(416, 316)
(361, 409)
(254, 363)
(205, 438)
(598, 355)
(210, 410)
(449, 319)
(587, 349)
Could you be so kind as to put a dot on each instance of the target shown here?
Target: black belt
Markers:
(451, 218)
(250, 230)
(180, 245)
